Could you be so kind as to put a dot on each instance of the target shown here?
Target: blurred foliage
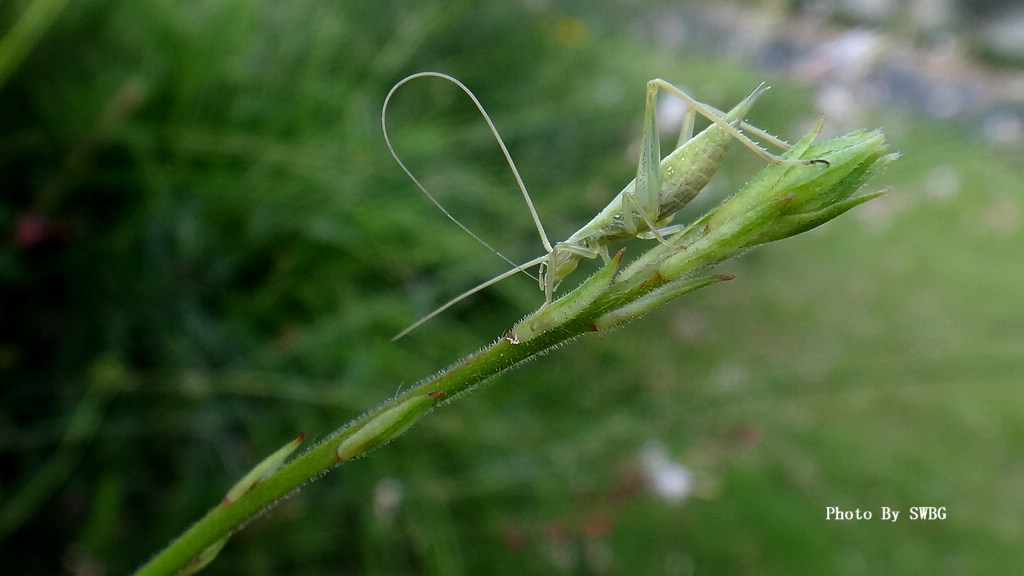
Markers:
(207, 248)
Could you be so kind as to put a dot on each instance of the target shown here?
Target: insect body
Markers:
(644, 207)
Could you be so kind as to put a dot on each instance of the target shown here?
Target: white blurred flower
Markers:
(387, 497)
(668, 479)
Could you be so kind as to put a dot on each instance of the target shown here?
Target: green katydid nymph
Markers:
(644, 208)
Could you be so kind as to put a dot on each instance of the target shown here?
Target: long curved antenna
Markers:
(517, 269)
(497, 137)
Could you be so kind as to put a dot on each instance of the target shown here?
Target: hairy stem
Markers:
(781, 201)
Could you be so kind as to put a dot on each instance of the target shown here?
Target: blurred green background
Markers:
(206, 249)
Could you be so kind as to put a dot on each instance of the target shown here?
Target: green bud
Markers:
(780, 201)
(379, 428)
(785, 200)
(259, 473)
(820, 197)
(263, 470)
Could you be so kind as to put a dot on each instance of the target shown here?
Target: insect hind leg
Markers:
(715, 116)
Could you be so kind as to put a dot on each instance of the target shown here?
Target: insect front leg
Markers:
(561, 261)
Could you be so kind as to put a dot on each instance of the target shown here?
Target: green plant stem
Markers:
(460, 377)
(781, 201)
(223, 519)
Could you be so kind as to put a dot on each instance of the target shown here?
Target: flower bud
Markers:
(783, 199)
(833, 191)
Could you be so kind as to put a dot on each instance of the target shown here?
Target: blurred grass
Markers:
(202, 226)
